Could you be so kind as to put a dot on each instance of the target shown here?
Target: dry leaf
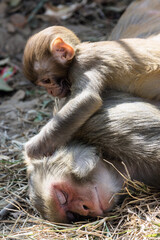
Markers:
(4, 86)
(14, 3)
(3, 8)
(18, 20)
(19, 95)
(11, 105)
(62, 12)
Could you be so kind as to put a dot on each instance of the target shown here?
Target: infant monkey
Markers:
(56, 59)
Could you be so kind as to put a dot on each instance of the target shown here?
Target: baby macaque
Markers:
(56, 60)
(75, 183)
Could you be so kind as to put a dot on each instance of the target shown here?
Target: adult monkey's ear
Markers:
(83, 160)
(61, 50)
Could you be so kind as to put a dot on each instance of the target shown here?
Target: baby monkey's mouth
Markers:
(64, 87)
(59, 88)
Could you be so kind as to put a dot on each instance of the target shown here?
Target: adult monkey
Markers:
(75, 183)
(55, 59)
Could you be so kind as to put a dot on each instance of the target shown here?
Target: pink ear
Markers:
(62, 50)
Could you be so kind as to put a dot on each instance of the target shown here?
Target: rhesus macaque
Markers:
(56, 59)
(75, 182)
(140, 20)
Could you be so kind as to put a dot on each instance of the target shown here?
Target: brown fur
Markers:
(126, 130)
(140, 20)
(38, 47)
(130, 65)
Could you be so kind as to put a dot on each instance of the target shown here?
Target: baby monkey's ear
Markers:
(61, 50)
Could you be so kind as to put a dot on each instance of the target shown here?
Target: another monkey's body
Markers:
(130, 65)
(55, 59)
(76, 183)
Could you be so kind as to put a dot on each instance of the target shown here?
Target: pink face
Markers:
(55, 83)
(62, 196)
(72, 200)
(55, 88)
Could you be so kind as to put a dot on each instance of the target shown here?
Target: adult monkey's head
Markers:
(73, 184)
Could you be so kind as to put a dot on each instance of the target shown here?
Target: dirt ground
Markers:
(24, 108)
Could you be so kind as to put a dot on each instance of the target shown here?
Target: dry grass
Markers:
(136, 218)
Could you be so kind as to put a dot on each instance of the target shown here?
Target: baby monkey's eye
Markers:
(46, 81)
